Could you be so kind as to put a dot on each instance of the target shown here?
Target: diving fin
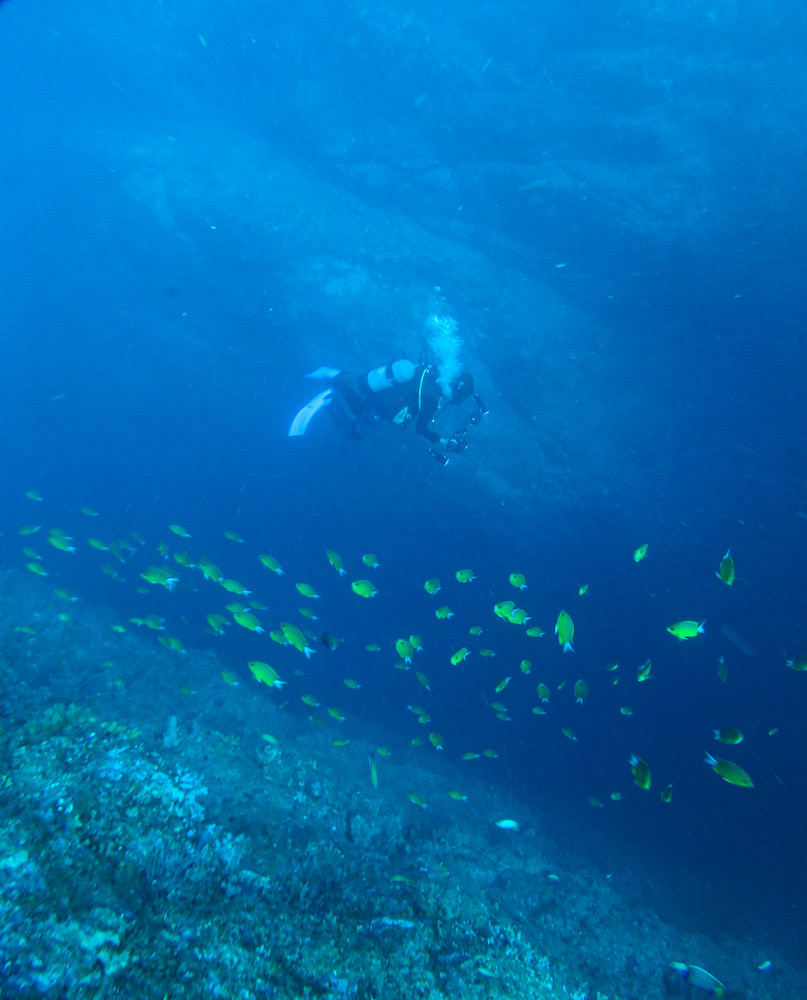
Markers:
(300, 423)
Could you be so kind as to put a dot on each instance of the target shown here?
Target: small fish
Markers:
(307, 591)
(535, 632)
(210, 570)
(416, 800)
(503, 609)
(336, 713)
(475, 630)
(580, 691)
(417, 643)
(33, 495)
(508, 824)
(373, 647)
(641, 771)
(465, 575)
(432, 586)
(460, 655)
(696, 976)
(569, 734)
(490, 754)
(336, 561)
(29, 529)
(626, 710)
(327, 640)
(538, 710)
(583, 590)
(564, 630)
(373, 774)
(616, 796)
(248, 621)
(271, 563)
(404, 649)
(35, 568)
(666, 794)
(518, 616)
(308, 613)
(487, 653)
(640, 553)
(643, 672)
(729, 771)
(160, 576)
(444, 613)
(436, 740)
(296, 638)
(339, 742)
(363, 588)
(799, 663)
(502, 684)
(423, 679)
(234, 587)
(96, 543)
(457, 795)
(543, 691)
(233, 536)
(383, 751)
(229, 678)
(686, 629)
(369, 559)
(518, 580)
(264, 674)
(525, 666)
(59, 540)
(350, 683)
(179, 530)
(310, 700)
(726, 569)
(729, 735)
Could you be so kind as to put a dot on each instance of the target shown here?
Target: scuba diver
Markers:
(400, 392)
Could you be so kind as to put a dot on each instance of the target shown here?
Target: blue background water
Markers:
(202, 202)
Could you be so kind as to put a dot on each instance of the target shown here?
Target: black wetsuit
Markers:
(420, 399)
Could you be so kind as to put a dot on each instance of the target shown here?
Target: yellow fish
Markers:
(583, 589)
(416, 800)
(503, 609)
(296, 638)
(264, 674)
(535, 632)
(350, 683)
(337, 714)
(525, 666)
(457, 795)
(518, 616)
(432, 586)
(336, 561)
(373, 774)
(640, 553)
(729, 771)
(271, 563)
(666, 794)
(580, 691)
(686, 629)
(233, 536)
(404, 649)
(444, 613)
(543, 692)
(369, 560)
(564, 630)
(179, 530)
(307, 591)
(234, 587)
(364, 588)
(643, 673)
(436, 740)
(229, 678)
(641, 772)
(160, 576)
(460, 655)
(502, 684)
(726, 570)
(34, 567)
(465, 575)
(518, 580)
(729, 735)
(248, 621)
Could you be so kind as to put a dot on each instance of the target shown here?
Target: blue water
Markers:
(203, 202)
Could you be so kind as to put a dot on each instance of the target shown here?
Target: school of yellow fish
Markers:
(165, 569)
